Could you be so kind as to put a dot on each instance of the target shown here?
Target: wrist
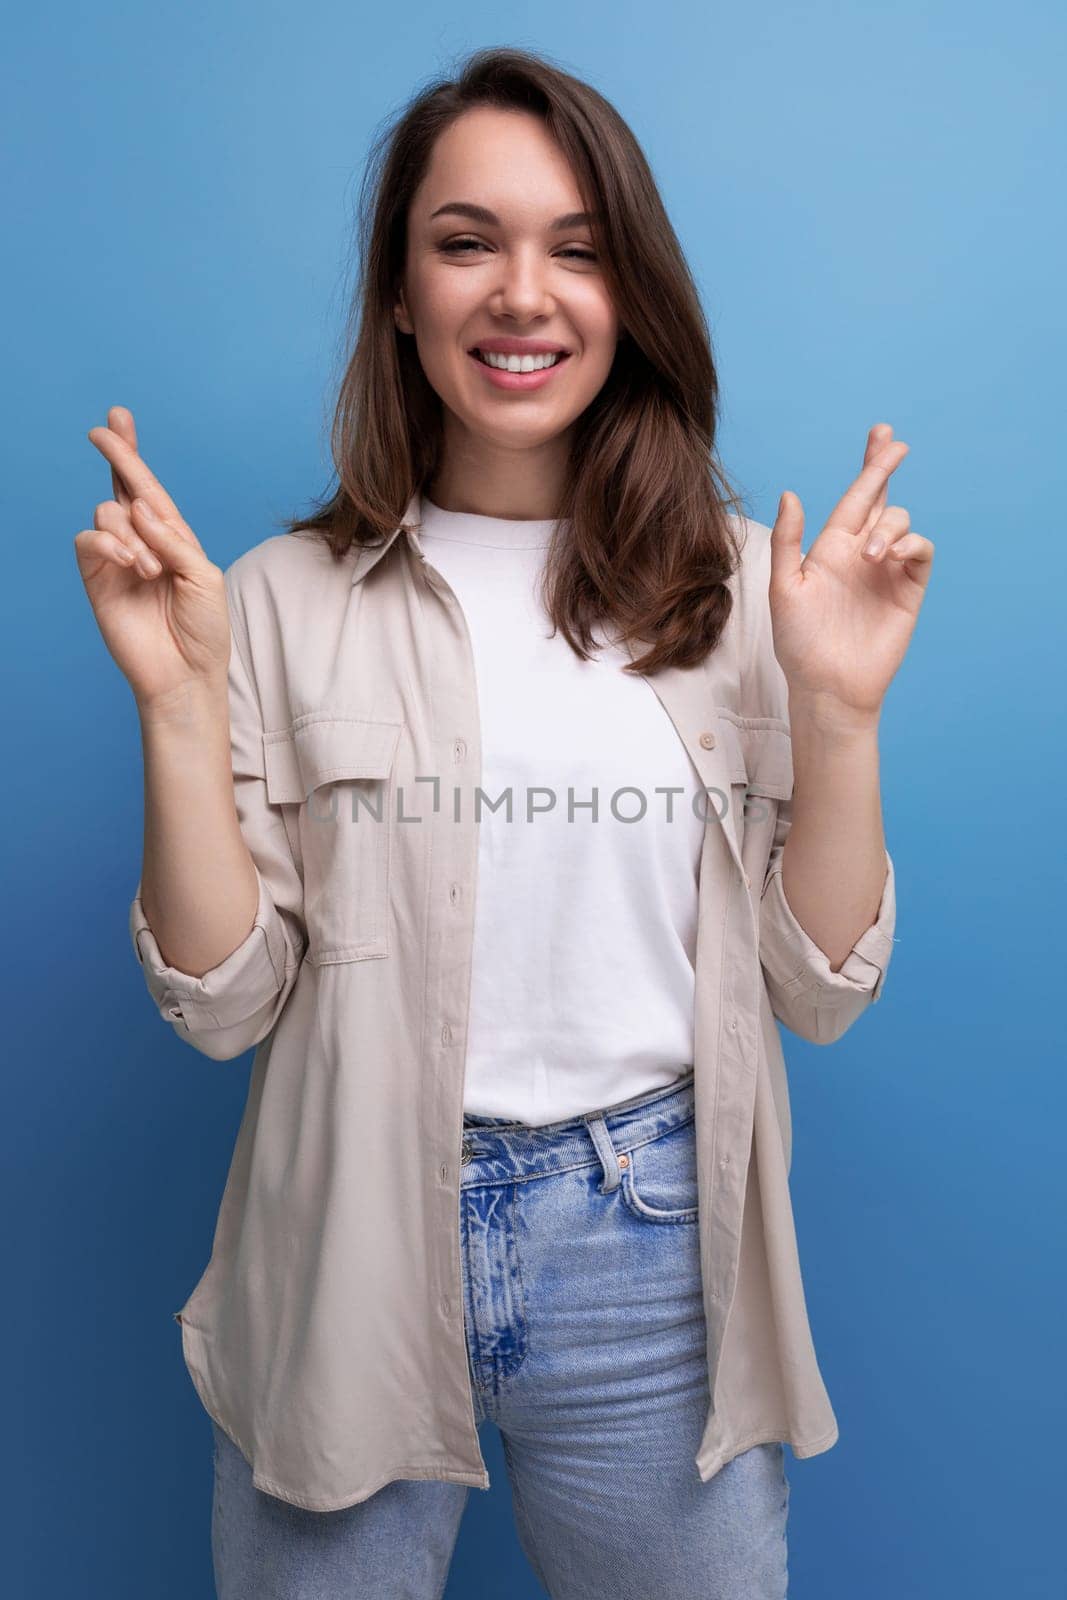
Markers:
(826, 717)
(192, 706)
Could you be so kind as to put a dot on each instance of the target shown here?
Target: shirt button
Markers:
(453, 892)
(733, 1024)
(446, 1305)
(444, 1172)
(708, 741)
(446, 1033)
(459, 750)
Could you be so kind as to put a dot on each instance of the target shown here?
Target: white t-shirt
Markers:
(582, 987)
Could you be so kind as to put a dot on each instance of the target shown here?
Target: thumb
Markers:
(786, 538)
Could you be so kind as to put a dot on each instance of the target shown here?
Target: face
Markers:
(510, 275)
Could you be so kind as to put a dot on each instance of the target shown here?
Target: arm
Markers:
(217, 917)
(841, 619)
(828, 907)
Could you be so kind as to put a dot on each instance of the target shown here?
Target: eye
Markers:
(460, 246)
(465, 246)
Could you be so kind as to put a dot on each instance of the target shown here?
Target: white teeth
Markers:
(518, 363)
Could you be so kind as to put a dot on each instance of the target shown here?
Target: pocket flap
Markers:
(320, 748)
(768, 762)
(760, 756)
(730, 736)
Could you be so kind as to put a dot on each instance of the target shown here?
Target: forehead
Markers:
(505, 160)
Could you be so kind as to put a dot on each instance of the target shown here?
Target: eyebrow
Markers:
(464, 208)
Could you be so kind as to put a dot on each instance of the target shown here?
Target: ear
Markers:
(400, 314)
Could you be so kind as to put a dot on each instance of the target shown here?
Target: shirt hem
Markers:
(801, 1448)
(472, 1478)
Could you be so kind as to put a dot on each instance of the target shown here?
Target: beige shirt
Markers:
(326, 1334)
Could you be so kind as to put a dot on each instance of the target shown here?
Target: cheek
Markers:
(600, 331)
(599, 328)
(439, 319)
(444, 304)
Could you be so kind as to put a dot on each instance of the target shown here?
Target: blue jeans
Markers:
(585, 1336)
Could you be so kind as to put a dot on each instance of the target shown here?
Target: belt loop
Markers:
(598, 1130)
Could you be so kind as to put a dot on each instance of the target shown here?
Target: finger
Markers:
(120, 420)
(894, 522)
(787, 535)
(877, 439)
(852, 511)
(115, 520)
(95, 546)
(139, 480)
(133, 471)
(166, 541)
(914, 553)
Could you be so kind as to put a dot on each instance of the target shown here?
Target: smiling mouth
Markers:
(515, 363)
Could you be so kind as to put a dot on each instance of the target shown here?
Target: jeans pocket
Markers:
(659, 1180)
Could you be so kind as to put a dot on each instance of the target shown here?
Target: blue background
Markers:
(869, 201)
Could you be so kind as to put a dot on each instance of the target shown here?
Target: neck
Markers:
(484, 479)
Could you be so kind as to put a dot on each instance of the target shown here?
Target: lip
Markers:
(519, 380)
(511, 345)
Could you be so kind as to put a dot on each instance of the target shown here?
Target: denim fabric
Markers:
(586, 1348)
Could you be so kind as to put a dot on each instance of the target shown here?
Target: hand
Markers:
(842, 619)
(159, 602)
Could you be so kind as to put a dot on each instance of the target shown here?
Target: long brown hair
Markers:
(650, 543)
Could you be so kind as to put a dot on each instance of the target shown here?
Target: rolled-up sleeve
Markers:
(813, 1001)
(230, 1008)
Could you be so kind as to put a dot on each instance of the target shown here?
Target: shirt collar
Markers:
(368, 555)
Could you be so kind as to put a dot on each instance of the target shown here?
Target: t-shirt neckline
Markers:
(470, 527)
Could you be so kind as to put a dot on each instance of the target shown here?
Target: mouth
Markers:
(543, 361)
(519, 374)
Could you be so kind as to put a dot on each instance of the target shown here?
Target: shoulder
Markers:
(750, 585)
(282, 577)
(753, 574)
(282, 558)
(763, 685)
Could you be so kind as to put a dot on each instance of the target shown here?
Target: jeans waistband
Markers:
(497, 1151)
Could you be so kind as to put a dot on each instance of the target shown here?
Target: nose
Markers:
(521, 291)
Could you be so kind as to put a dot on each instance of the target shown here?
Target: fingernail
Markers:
(874, 546)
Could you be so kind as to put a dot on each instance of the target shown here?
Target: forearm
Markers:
(833, 861)
(198, 884)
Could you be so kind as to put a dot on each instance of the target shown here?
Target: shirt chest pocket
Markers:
(760, 760)
(339, 773)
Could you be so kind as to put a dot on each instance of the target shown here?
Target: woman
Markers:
(554, 1020)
